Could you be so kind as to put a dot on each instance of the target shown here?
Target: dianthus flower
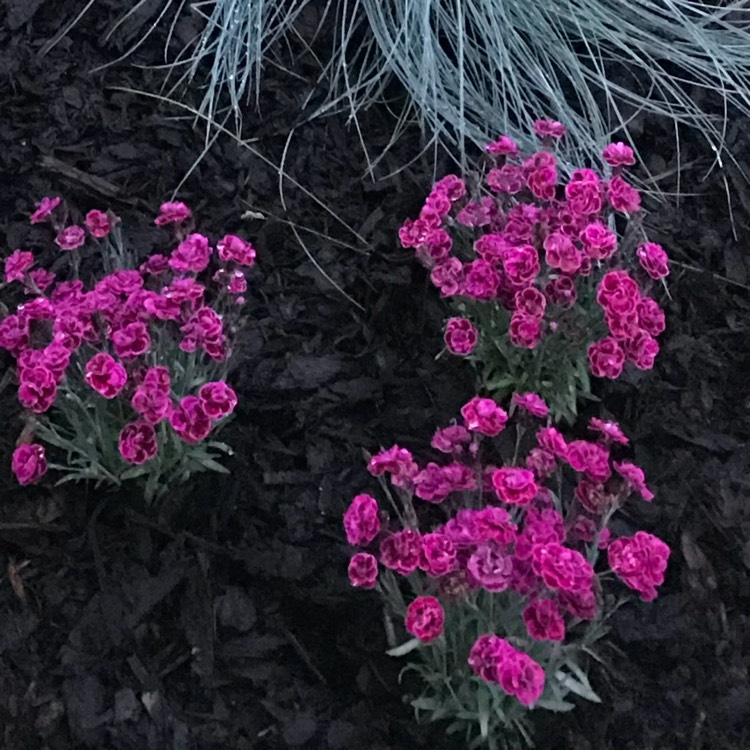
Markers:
(503, 146)
(158, 378)
(425, 618)
(485, 654)
(539, 527)
(618, 155)
(561, 253)
(132, 340)
(452, 186)
(400, 551)
(533, 403)
(549, 129)
(651, 316)
(70, 238)
(551, 440)
(172, 213)
(191, 255)
(562, 568)
(44, 209)
(521, 265)
(525, 332)
(137, 443)
(460, 336)
(590, 459)
(14, 334)
(610, 431)
(491, 566)
(451, 439)
(641, 350)
(362, 520)
(561, 292)
(448, 277)
(154, 265)
(106, 376)
(544, 621)
(654, 260)
(493, 524)
(38, 281)
(635, 478)
(438, 555)
(593, 497)
(584, 192)
(515, 486)
(541, 462)
(507, 179)
(606, 358)
(38, 389)
(152, 403)
(29, 463)
(17, 264)
(483, 415)
(190, 421)
(398, 462)
(98, 223)
(623, 197)
(219, 399)
(531, 302)
(233, 248)
(481, 280)
(599, 242)
(205, 330)
(640, 562)
(432, 484)
(363, 570)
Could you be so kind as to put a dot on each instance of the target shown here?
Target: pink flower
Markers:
(618, 293)
(44, 209)
(451, 439)
(561, 292)
(233, 248)
(641, 350)
(581, 604)
(593, 497)
(219, 399)
(562, 568)
(38, 389)
(503, 146)
(654, 260)
(448, 277)
(549, 129)
(106, 376)
(491, 566)
(362, 520)
(155, 265)
(590, 459)
(39, 281)
(544, 621)
(519, 675)
(452, 186)
(432, 484)
(191, 255)
(98, 223)
(438, 555)
(158, 378)
(438, 244)
(483, 415)
(17, 264)
(205, 329)
(172, 213)
(190, 421)
(400, 551)
(478, 214)
(618, 155)
(521, 265)
(398, 462)
(493, 524)
(425, 618)
(524, 331)
(485, 655)
(533, 403)
(584, 192)
(561, 253)
(132, 340)
(55, 357)
(635, 479)
(599, 241)
(460, 336)
(137, 443)
(481, 280)
(623, 197)
(29, 463)
(606, 358)
(551, 440)
(541, 462)
(610, 431)
(515, 486)
(531, 302)
(363, 570)
(539, 527)
(650, 316)
(70, 238)
(640, 562)
(507, 179)
(151, 403)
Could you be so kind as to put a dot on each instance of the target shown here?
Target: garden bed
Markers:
(226, 619)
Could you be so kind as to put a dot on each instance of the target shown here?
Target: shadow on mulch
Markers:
(226, 621)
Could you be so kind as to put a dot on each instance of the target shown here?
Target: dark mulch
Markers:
(225, 620)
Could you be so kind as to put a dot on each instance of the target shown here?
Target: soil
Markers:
(224, 619)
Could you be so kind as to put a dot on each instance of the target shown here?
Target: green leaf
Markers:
(576, 686)
(136, 471)
(554, 704)
(405, 648)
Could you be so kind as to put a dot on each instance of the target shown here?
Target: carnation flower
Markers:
(190, 421)
(610, 431)
(533, 403)
(623, 197)
(590, 459)
(363, 570)
(606, 358)
(503, 146)
(515, 486)
(98, 223)
(654, 260)
(29, 463)
(70, 238)
(525, 332)
(618, 155)
(44, 209)
(106, 376)
(544, 621)
(485, 416)
(233, 248)
(192, 255)
(552, 440)
(152, 403)
(137, 443)
(398, 462)
(562, 568)
(549, 129)
(640, 562)
(530, 302)
(438, 555)
(491, 566)
(425, 618)
(172, 213)
(17, 264)
(362, 521)
(38, 389)
(219, 399)
(432, 484)
(635, 478)
(451, 439)
(460, 336)
(132, 340)
(401, 550)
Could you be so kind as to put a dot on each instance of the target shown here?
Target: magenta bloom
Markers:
(17, 264)
(453, 439)
(154, 265)
(151, 403)
(650, 316)
(460, 336)
(486, 654)
(425, 618)
(635, 478)
(641, 350)
(29, 463)
(483, 415)
(654, 260)
(39, 280)
(591, 459)
(432, 484)
(503, 146)
(398, 462)
(521, 265)
(132, 340)
(515, 486)
(606, 358)
(98, 223)
(44, 209)
(561, 253)
(481, 280)
(191, 255)
(533, 403)
(541, 462)
(530, 301)
(70, 238)
(551, 440)
(623, 197)
(363, 570)
(362, 521)
(506, 179)
(190, 421)
(137, 443)
(438, 555)
(584, 192)
(400, 551)
(172, 213)
(491, 566)
(619, 155)
(525, 332)
(544, 621)
(549, 129)
(158, 378)
(219, 399)
(640, 562)
(233, 248)
(562, 568)
(106, 376)
(593, 497)
(599, 241)
(611, 432)
(38, 389)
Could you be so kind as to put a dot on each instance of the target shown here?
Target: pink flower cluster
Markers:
(507, 532)
(115, 333)
(534, 243)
